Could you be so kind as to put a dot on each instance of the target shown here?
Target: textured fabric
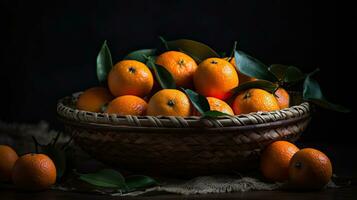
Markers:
(19, 135)
(220, 184)
(213, 185)
(209, 185)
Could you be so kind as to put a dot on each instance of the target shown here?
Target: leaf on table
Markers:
(139, 181)
(105, 178)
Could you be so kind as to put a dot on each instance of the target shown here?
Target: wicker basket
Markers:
(179, 146)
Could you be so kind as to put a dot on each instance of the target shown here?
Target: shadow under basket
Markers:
(182, 146)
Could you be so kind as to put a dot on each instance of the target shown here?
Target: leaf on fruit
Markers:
(104, 63)
(162, 75)
(197, 50)
(231, 56)
(214, 114)
(252, 67)
(260, 84)
(293, 74)
(141, 55)
(278, 70)
(198, 101)
(285, 73)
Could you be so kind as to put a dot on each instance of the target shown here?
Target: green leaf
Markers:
(59, 158)
(164, 42)
(312, 88)
(278, 70)
(139, 181)
(293, 74)
(285, 73)
(260, 84)
(233, 50)
(214, 114)
(197, 50)
(222, 54)
(104, 63)
(105, 178)
(198, 101)
(140, 55)
(150, 61)
(252, 67)
(328, 105)
(312, 92)
(165, 79)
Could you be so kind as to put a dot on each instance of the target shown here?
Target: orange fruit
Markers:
(8, 158)
(242, 77)
(130, 77)
(169, 102)
(181, 67)
(218, 105)
(93, 99)
(254, 100)
(275, 159)
(127, 105)
(215, 77)
(34, 172)
(310, 169)
(283, 98)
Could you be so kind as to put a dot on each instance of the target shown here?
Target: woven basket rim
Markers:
(109, 127)
(68, 113)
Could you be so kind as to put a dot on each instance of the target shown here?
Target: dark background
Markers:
(49, 48)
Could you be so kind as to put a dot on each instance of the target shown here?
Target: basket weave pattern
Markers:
(178, 145)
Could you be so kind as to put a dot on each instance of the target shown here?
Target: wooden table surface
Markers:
(342, 156)
(348, 193)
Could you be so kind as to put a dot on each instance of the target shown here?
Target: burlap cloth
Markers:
(19, 137)
(208, 185)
